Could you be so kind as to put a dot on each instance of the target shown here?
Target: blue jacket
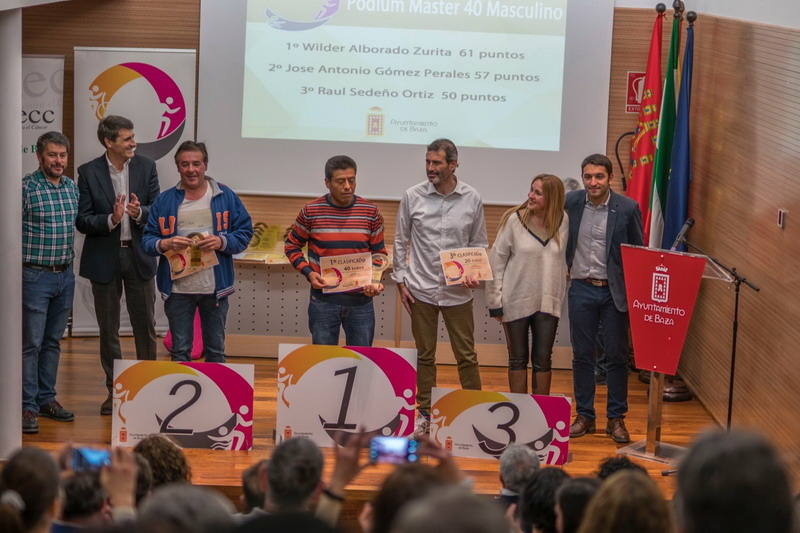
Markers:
(230, 221)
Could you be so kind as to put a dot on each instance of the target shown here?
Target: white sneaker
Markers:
(422, 426)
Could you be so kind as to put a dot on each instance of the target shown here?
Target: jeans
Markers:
(325, 318)
(46, 302)
(588, 306)
(180, 310)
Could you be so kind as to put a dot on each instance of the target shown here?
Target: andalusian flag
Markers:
(643, 149)
(681, 173)
(666, 130)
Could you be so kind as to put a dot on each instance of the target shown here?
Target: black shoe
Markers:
(106, 406)
(30, 422)
(56, 412)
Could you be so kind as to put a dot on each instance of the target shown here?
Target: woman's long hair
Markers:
(553, 191)
(627, 501)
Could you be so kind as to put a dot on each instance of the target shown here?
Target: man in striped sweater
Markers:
(337, 223)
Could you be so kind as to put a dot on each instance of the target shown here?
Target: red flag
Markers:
(643, 148)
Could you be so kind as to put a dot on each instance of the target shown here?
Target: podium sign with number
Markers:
(483, 424)
(197, 405)
(661, 288)
(326, 393)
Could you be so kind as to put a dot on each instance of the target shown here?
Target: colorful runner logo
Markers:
(279, 22)
(328, 392)
(453, 270)
(485, 423)
(170, 101)
(332, 277)
(197, 405)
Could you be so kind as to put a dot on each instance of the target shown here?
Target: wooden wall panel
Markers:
(746, 152)
(746, 149)
(746, 146)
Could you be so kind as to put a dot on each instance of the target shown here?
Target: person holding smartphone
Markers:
(530, 278)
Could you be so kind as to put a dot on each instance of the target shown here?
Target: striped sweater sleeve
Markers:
(376, 243)
(295, 240)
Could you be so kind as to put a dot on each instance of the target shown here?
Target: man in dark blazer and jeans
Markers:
(599, 222)
(116, 191)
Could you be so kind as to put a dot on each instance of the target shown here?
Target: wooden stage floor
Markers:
(80, 389)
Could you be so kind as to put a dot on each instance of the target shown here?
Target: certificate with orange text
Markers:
(461, 263)
(343, 273)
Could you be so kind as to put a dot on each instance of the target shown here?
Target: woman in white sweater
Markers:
(530, 278)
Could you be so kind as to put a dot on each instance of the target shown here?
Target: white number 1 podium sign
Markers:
(326, 393)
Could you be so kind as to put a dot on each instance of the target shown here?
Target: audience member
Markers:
(518, 462)
(451, 510)
(184, 508)
(166, 460)
(294, 476)
(407, 483)
(29, 492)
(537, 501)
(285, 522)
(628, 501)
(253, 494)
(144, 478)
(572, 498)
(615, 463)
(85, 503)
(120, 482)
(733, 481)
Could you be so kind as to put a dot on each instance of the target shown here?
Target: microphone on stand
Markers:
(682, 233)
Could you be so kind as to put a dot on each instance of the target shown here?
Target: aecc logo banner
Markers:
(42, 102)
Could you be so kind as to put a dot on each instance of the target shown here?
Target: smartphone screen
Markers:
(395, 450)
(90, 458)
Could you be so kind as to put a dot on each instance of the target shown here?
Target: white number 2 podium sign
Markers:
(197, 405)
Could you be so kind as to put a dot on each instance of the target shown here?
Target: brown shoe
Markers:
(616, 428)
(581, 426)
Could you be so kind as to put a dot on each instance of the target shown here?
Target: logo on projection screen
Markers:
(326, 11)
(168, 102)
(375, 122)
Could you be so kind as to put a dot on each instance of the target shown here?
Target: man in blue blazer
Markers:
(116, 191)
(600, 220)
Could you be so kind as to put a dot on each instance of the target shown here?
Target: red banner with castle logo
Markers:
(662, 288)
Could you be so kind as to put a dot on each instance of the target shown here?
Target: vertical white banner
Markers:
(42, 103)
(155, 88)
